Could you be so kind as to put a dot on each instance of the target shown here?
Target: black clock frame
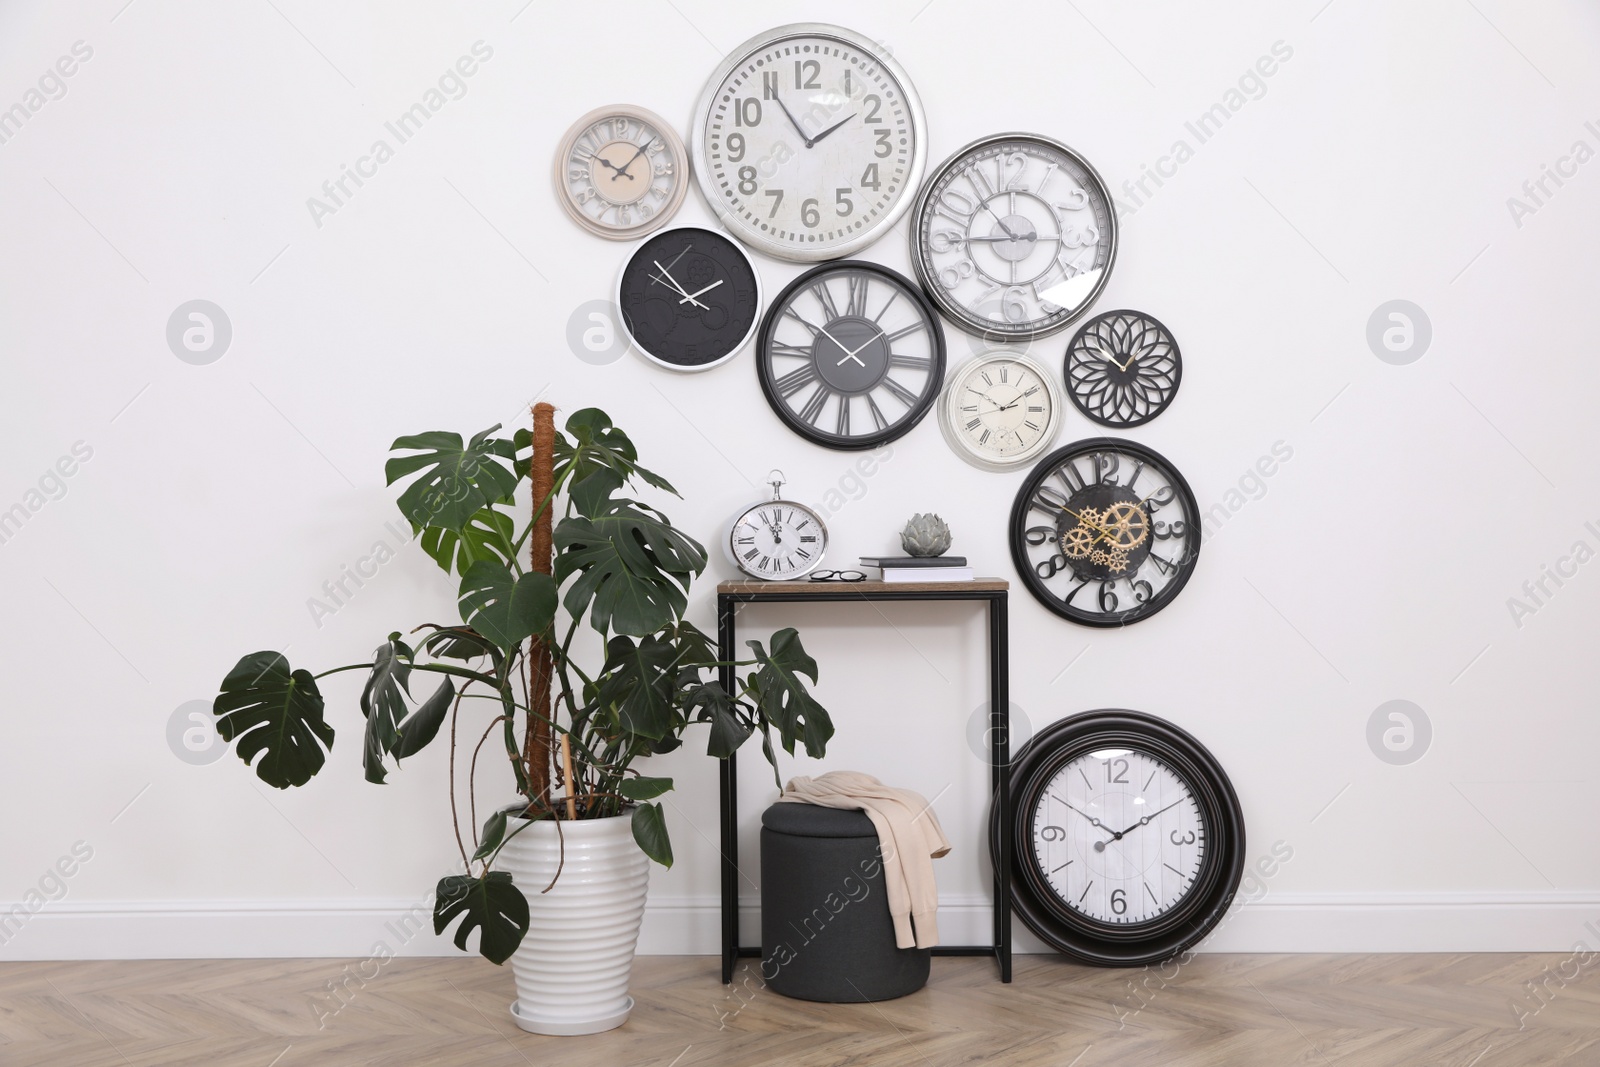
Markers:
(1019, 526)
(1186, 923)
(633, 267)
(935, 385)
(1156, 409)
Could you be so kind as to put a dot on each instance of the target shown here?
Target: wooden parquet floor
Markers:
(1217, 1011)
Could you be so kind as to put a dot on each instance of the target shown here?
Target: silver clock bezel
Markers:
(622, 318)
(754, 237)
(959, 316)
(727, 542)
(959, 444)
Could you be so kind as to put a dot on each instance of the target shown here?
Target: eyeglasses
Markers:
(838, 576)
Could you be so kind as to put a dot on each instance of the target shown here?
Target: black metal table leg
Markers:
(1000, 731)
(729, 787)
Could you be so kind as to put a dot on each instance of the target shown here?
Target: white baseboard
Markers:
(1282, 922)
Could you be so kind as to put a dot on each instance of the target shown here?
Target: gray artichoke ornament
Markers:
(925, 535)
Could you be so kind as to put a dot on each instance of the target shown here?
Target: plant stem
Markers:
(455, 817)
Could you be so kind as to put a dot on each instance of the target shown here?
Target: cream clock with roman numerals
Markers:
(809, 142)
(621, 171)
(1000, 410)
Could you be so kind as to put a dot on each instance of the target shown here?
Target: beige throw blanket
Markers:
(909, 840)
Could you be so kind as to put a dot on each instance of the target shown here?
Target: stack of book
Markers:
(921, 568)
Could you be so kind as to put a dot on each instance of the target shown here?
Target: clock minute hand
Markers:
(795, 122)
(674, 283)
(1144, 821)
(628, 166)
(1097, 822)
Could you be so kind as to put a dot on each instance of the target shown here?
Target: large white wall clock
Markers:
(809, 142)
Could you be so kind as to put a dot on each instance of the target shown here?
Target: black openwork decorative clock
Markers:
(690, 298)
(1123, 368)
(850, 355)
(1105, 532)
(1128, 838)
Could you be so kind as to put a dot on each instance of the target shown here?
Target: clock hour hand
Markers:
(1108, 356)
(848, 354)
(830, 129)
(690, 296)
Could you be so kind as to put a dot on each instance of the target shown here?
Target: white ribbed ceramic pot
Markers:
(572, 968)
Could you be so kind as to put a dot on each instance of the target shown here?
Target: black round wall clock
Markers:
(1128, 839)
(850, 355)
(1123, 368)
(1105, 532)
(690, 298)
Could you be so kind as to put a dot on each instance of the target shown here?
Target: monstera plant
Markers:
(525, 588)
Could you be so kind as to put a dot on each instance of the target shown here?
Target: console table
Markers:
(994, 592)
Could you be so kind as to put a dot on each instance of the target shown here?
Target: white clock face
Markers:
(778, 540)
(1014, 236)
(1001, 410)
(810, 142)
(621, 172)
(1119, 836)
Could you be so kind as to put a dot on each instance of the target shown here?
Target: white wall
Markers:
(1375, 165)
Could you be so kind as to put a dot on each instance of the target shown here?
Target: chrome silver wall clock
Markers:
(1000, 410)
(1014, 236)
(809, 142)
(621, 171)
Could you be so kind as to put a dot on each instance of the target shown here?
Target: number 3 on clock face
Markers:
(809, 142)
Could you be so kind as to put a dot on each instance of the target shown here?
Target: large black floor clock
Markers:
(1128, 840)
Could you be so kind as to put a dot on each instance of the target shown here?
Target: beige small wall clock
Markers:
(621, 171)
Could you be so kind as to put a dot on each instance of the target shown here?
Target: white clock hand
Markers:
(707, 289)
(674, 283)
(847, 353)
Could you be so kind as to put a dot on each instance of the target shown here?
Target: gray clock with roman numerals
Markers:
(777, 539)
(851, 355)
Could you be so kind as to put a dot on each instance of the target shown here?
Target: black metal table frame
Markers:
(999, 752)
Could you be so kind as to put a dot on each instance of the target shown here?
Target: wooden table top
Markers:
(871, 586)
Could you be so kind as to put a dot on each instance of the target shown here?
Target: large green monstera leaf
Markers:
(274, 712)
(490, 903)
(457, 480)
(632, 569)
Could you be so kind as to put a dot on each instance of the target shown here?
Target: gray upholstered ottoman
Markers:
(826, 933)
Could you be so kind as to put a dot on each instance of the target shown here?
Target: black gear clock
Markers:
(689, 299)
